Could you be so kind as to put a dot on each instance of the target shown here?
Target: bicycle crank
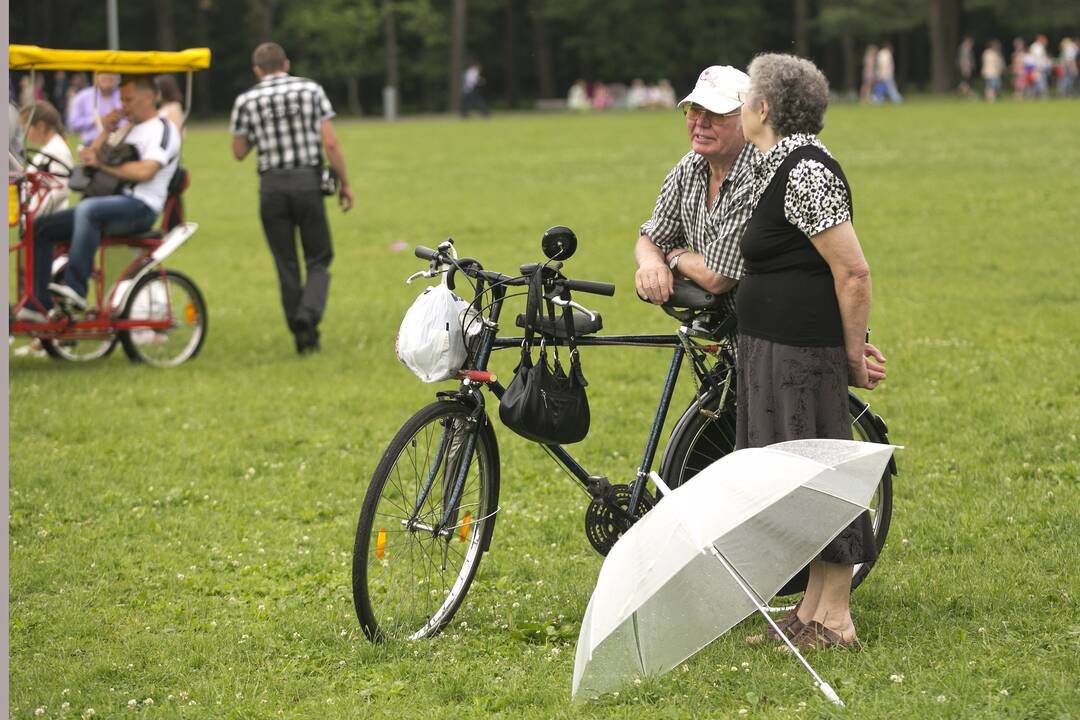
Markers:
(607, 518)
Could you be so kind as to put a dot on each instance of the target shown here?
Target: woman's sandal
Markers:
(815, 636)
(790, 625)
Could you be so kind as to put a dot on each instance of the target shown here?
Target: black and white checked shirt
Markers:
(281, 116)
(682, 216)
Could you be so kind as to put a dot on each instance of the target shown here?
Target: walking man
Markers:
(287, 120)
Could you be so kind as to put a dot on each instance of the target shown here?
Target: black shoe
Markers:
(307, 336)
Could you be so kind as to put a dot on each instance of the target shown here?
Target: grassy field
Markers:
(181, 540)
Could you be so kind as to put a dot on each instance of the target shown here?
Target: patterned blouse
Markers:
(682, 216)
(816, 199)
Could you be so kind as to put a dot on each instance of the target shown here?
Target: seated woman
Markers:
(802, 307)
(44, 130)
(171, 101)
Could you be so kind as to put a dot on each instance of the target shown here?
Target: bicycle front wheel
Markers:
(426, 521)
(704, 435)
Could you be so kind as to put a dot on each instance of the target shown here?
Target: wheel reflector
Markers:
(190, 314)
(380, 544)
(464, 531)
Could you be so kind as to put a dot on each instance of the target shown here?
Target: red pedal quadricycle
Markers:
(156, 314)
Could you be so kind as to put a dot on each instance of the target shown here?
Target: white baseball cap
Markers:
(720, 88)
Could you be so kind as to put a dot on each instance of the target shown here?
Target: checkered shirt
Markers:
(281, 116)
(682, 216)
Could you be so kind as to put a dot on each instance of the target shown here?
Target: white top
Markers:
(156, 139)
(57, 199)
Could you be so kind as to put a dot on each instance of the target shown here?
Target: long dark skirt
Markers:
(798, 393)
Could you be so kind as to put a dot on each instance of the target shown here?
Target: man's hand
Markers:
(654, 282)
(345, 198)
(88, 156)
(111, 120)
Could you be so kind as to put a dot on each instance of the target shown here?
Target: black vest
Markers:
(787, 294)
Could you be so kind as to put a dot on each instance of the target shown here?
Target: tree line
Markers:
(532, 49)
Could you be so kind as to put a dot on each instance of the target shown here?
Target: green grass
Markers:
(185, 535)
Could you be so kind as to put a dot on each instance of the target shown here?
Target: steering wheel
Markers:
(65, 171)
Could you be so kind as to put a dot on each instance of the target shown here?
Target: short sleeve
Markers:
(815, 199)
(665, 226)
(322, 104)
(238, 122)
(153, 144)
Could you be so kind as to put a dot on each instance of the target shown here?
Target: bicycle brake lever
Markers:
(422, 273)
(563, 303)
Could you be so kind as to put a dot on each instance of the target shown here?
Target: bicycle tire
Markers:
(393, 561)
(79, 347)
(698, 440)
(156, 296)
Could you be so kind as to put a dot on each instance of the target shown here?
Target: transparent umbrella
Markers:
(715, 550)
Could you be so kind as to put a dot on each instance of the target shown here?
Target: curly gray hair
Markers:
(796, 91)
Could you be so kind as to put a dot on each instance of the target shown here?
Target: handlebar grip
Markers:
(425, 253)
(589, 286)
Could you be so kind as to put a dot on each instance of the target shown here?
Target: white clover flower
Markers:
(743, 711)
(1004, 692)
(89, 713)
(941, 698)
(133, 703)
(40, 711)
(148, 701)
(897, 678)
(65, 706)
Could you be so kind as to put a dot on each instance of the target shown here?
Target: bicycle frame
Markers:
(683, 346)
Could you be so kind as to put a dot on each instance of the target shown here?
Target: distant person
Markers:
(1068, 62)
(885, 72)
(91, 104)
(59, 92)
(1040, 61)
(665, 94)
(1018, 67)
(965, 65)
(601, 99)
(578, 97)
(993, 67)
(170, 100)
(869, 78)
(638, 95)
(45, 131)
(471, 98)
(287, 120)
(26, 92)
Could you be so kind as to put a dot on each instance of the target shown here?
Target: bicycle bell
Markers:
(559, 243)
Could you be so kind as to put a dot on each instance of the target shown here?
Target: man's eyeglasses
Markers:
(693, 111)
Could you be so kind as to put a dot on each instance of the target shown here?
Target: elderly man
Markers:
(91, 104)
(157, 142)
(704, 203)
(288, 120)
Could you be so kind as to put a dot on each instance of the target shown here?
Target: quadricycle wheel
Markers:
(170, 298)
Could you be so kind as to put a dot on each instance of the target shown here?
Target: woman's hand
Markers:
(866, 371)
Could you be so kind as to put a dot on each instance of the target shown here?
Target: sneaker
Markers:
(68, 296)
(28, 314)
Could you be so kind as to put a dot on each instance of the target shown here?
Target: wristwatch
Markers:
(674, 262)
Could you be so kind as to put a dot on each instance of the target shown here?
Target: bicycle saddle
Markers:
(582, 325)
(688, 294)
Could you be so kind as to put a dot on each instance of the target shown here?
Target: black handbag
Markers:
(546, 404)
(95, 182)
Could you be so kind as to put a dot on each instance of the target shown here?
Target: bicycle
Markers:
(431, 506)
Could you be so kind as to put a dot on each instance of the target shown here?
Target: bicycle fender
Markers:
(169, 244)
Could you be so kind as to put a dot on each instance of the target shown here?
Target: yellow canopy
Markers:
(25, 57)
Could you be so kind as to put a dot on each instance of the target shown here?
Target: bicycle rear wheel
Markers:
(700, 438)
(413, 562)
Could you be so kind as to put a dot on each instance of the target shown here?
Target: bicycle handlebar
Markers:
(586, 286)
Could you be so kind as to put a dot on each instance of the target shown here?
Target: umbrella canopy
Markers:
(715, 550)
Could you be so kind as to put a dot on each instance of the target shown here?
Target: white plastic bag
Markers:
(429, 341)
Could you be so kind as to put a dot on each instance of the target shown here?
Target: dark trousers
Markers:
(288, 200)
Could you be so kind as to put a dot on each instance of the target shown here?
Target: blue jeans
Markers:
(84, 226)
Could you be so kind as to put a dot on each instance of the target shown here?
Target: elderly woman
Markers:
(802, 308)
